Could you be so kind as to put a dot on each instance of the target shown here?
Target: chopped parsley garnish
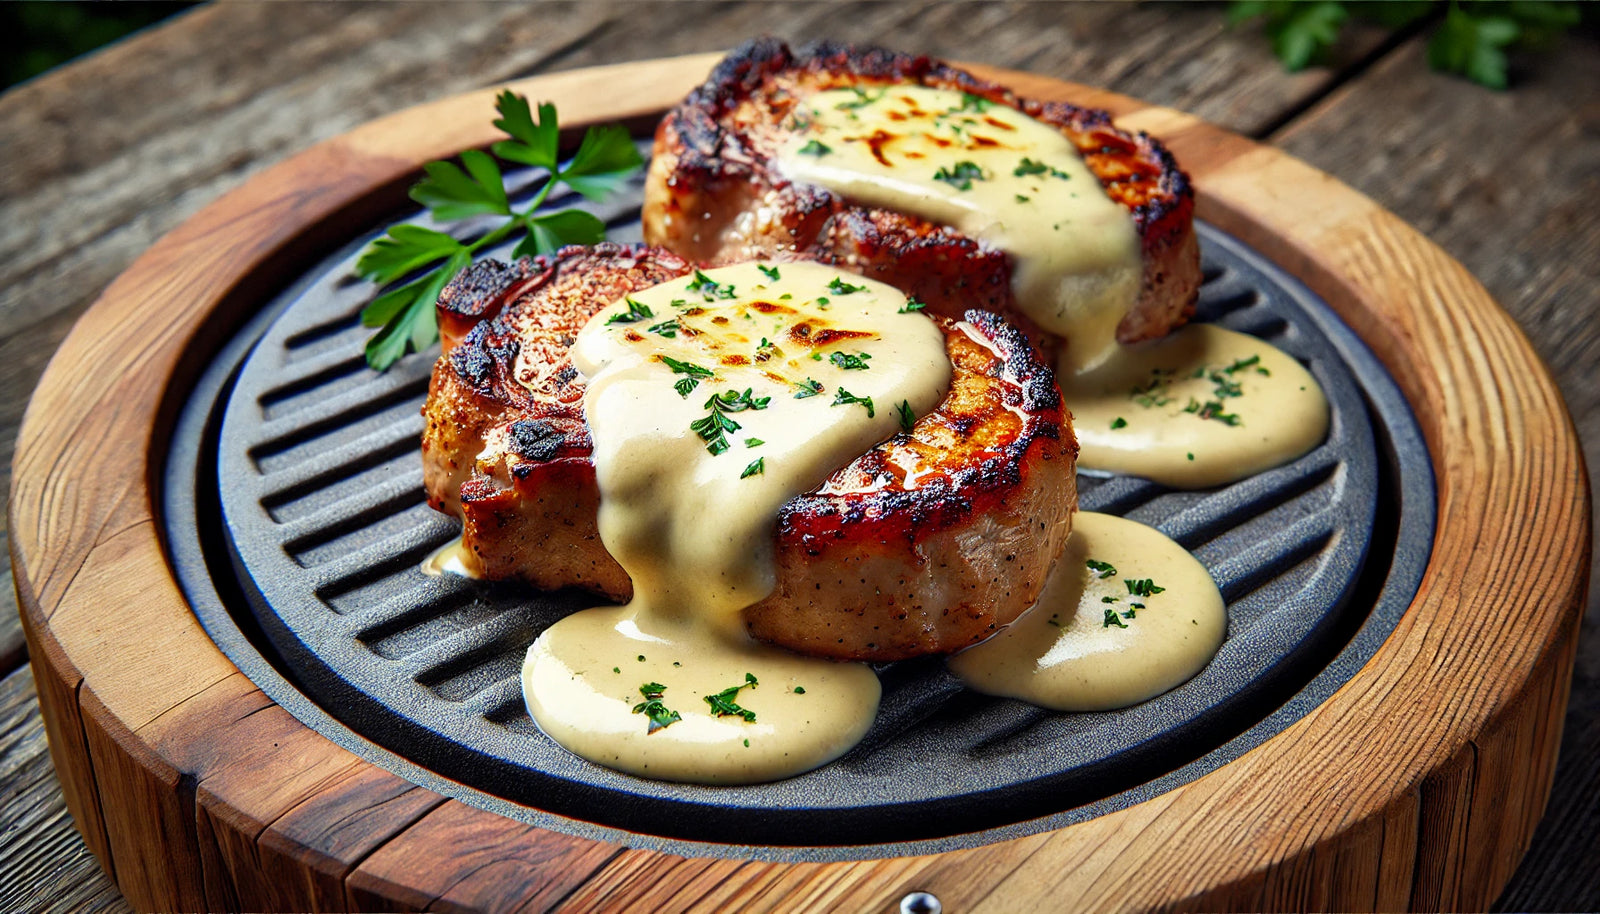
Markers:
(1101, 569)
(1111, 618)
(970, 102)
(753, 442)
(1118, 422)
(839, 287)
(912, 306)
(1191, 456)
(808, 388)
(1153, 394)
(1211, 409)
(1143, 587)
(636, 312)
(756, 468)
(1109, 600)
(907, 417)
(668, 329)
(799, 690)
(660, 715)
(710, 288)
(723, 703)
(685, 386)
(713, 428)
(863, 98)
(961, 176)
(770, 272)
(822, 302)
(1029, 167)
(844, 397)
(814, 148)
(1023, 199)
(1241, 364)
(857, 362)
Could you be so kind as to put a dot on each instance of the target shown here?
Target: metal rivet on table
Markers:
(921, 903)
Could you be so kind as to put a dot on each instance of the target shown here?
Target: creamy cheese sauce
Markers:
(451, 558)
(712, 400)
(996, 175)
(1126, 615)
(1202, 407)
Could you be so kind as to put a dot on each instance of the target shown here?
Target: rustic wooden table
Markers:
(102, 157)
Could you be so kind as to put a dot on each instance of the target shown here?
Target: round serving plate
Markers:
(1415, 781)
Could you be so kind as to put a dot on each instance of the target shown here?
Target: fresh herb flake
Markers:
(756, 468)
(907, 417)
(1111, 618)
(636, 312)
(723, 704)
(808, 388)
(668, 329)
(1101, 569)
(1118, 422)
(815, 148)
(847, 362)
(844, 397)
(912, 306)
(709, 288)
(961, 175)
(839, 287)
(660, 715)
(769, 272)
(1142, 587)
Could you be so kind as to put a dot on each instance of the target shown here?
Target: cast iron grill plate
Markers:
(322, 515)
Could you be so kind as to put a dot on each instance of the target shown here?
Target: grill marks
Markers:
(338, 456)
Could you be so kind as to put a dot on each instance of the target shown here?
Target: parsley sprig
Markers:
(476, 187)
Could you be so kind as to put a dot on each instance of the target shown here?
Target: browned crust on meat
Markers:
(908, 565)
(712, 173)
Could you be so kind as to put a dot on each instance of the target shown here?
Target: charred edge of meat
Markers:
(484, 362)
(711, 151)
(813, 520)
(483, 288)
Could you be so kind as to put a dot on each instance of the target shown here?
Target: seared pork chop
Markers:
(927, 543)
(714, 192)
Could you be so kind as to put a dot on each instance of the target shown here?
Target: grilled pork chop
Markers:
(714, 192)
(926, 543)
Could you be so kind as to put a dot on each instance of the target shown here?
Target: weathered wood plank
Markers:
(52, 870)
(628, 32)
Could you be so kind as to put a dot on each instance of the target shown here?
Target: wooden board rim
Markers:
(1505, 458)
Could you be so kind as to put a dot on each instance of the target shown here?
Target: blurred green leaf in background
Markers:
(38, 35)
(1470, 37)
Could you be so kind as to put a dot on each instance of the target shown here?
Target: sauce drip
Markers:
(996, 175)
(1202, 407)
(1126, 615)
(451, 558)
(712, 400)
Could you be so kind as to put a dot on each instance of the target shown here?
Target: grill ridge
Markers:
(321, 481)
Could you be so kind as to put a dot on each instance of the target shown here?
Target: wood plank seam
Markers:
(1415, 284)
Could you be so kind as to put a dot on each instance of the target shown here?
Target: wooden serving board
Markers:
(1416, 785)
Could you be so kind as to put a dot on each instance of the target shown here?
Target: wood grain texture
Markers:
(330, 80)
(51, 872)
(189, 121)
(1443, 827)
(1518, 212)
